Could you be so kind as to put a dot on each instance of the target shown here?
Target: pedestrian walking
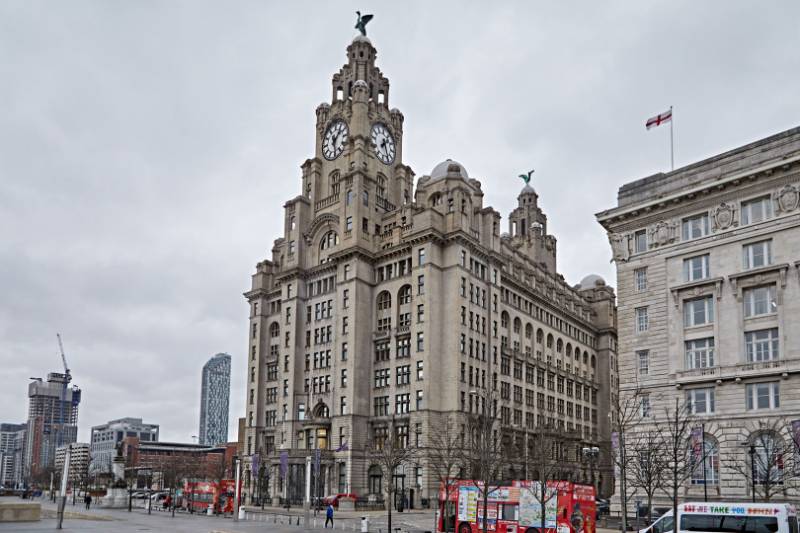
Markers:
(87, 500)
(329, 516)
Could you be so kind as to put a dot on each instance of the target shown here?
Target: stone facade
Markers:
(708, 283)
(382, 301)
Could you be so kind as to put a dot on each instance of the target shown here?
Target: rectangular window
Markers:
(759, 301)
(699, 353)
(644, 405)
(343, 405)
(762, 345)
(344, 377)
(763, 395)
(698, 312)
(420, 373)
(420, 284)
(640, 241)
(695, 268)
(644, 363)
(700, 401)
(419, 400)
(756, 210)
(420, 313)
(421, 256)
(345, 328)
(642, 321)
(344, 351)
(640, 279)
(757, 254)
(348, 225)
(694, 227)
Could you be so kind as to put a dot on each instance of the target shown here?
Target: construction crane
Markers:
(67, 379)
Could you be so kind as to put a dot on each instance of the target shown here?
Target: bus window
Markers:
(509, 512)
(727, 524)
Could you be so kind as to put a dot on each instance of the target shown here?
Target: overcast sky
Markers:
(147, 148)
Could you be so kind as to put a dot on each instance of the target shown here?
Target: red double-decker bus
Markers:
(199, 495)
(515, 508)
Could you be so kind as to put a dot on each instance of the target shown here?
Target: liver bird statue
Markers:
(526, 178)
(361, 23)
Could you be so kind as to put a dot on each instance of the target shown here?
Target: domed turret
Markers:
(591, 281)
(449, 168)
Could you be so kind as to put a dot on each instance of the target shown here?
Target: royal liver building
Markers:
(389, 303)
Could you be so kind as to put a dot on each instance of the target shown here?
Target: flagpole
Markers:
(671, 140)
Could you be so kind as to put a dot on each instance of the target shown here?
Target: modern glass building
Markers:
(216, 390)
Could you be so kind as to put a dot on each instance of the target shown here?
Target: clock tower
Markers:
(357, 171)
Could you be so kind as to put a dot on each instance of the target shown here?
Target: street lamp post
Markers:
(591, 454)
(752, 453)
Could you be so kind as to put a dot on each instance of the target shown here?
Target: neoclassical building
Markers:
(389, 300)
(708, 284)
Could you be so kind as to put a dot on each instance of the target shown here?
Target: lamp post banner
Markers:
(614, 441)
(284, 464)
(254, 461)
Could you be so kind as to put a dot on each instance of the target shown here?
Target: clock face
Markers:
(334, 140)
(384, 143)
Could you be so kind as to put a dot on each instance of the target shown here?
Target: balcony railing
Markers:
(325, 202)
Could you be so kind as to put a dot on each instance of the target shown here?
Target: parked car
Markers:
(333, 499)
(602, 506)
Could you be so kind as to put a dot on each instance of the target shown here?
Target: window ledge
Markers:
(757, 276)
(696, 287)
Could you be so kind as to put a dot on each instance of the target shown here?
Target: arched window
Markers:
(384, 300)
(404, 295)
(585, 358)
(559, 346)
(711, 452)
(550, 340)
(528, 331)
(274, 330)
(539, 336)
(329, 240)
(436, 199)
(594, 361)
(333, 179)
(321, 411)
(569, 350)
(504, 320)
(517, 325)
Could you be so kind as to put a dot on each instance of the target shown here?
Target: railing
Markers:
(385, 204)
(325, 202)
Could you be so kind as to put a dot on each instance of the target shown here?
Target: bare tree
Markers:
(485, 454)
(547, 457)
(390, 449)
(626, 413)
(647, 466)
(444, 454)
(674, 431)
(768, 460)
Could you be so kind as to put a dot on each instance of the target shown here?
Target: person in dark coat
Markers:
(87, 500)
(329, 515)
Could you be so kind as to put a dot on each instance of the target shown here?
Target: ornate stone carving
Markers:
(724, 216)
(662, 233)
(619, 247)
(788, 198)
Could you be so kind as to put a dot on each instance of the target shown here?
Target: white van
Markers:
(716, 517)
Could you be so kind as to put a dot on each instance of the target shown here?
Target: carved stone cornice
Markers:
(698, 288)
